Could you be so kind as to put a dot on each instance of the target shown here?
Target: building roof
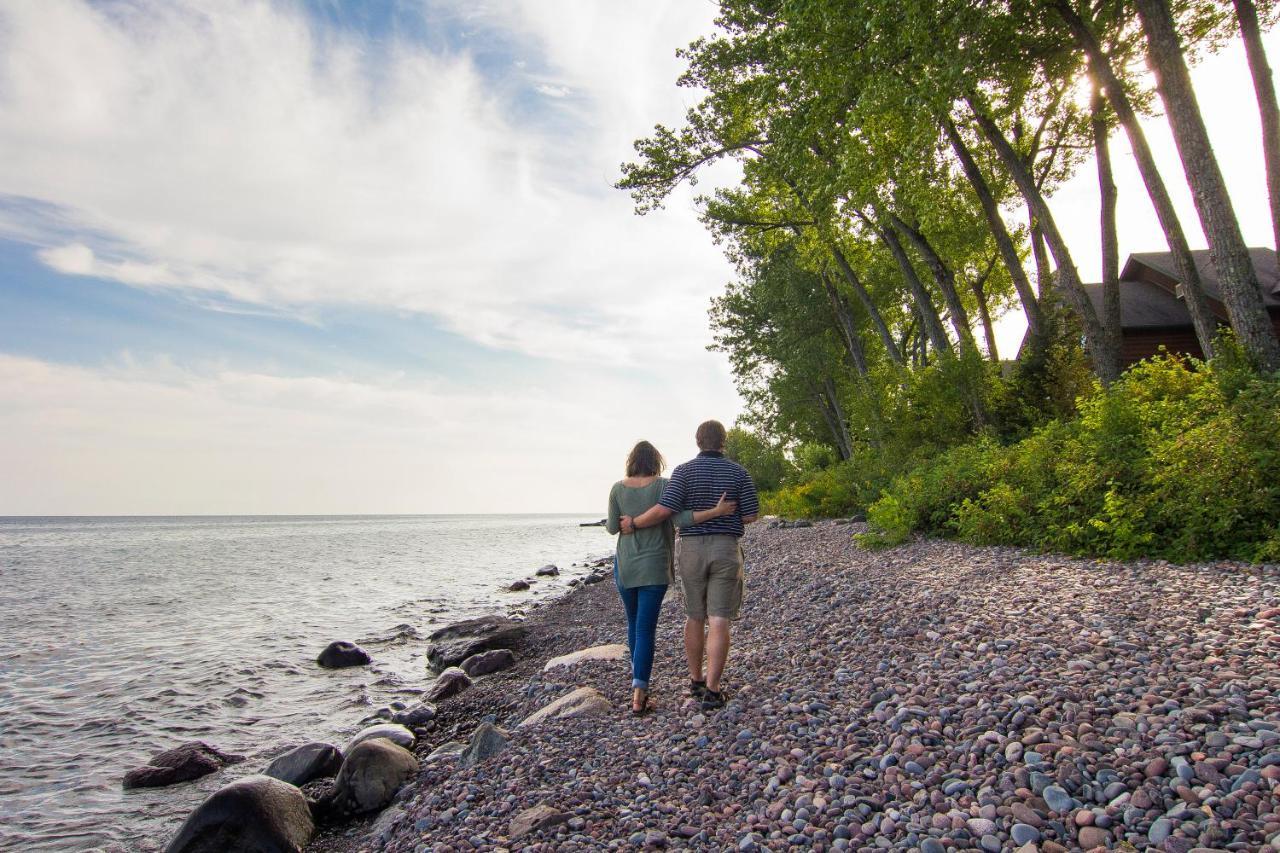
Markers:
(1164, 269)
(1144, 306)
(1149, 281)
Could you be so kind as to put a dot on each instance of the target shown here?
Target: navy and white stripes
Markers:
(699, 483)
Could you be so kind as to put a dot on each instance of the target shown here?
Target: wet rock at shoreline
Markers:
(451, 682)
(612, 651)
(305, 763)
(583, 702)
(452, 645)
(487, 741)
(488, 662)
(517, 586)
(341, 654)
(548, 571)
(257, 813)
(393, 732)
(181, 764)
(370, 776)
(415, 715)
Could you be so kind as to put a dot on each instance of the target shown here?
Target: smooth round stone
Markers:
(1024, 834)
(1058, 799)
(932, 845)
(980, 826)
(990, 843)
(1161, 829)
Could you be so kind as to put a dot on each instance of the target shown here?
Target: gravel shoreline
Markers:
(928, 697)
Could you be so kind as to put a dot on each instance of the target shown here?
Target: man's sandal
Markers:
(697, 689)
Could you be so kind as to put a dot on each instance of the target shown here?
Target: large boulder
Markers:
(342, 653)
(394, 732)
(613, 651)
(451, 682)
(487, 662)
(306, 763)
(487, 741)
(452, 645)
(256, 814)
(583, 702)
(183, 763)
(369, 778)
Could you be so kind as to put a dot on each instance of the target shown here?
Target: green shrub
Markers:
(1176, 460)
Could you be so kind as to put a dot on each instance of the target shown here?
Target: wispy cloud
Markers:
(232, 148)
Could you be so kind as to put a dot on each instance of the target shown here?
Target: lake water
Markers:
(126, 636)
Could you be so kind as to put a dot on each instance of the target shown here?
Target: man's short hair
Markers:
(710, 435)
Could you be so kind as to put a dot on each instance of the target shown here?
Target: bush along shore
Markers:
(931, 696)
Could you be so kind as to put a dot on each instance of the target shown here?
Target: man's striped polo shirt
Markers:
(699, 483)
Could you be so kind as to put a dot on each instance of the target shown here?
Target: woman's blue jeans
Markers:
(643, 604)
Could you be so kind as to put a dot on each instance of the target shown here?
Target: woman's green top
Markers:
(644, 557)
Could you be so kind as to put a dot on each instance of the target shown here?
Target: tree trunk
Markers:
(1111, 321)
(1268, 110)
(1239, 281)
(877, 320)
(1193, 294)
(945, 278)
(984, 311)
(991, 210)
(924, 305)
(833, 413)
(1044, 273)
(845, 322)
(1068, 277)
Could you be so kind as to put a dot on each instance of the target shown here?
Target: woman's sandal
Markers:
(644, 705)
(697, 689)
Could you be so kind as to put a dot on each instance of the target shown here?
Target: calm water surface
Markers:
(126, 636)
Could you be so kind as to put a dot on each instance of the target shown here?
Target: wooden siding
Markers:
(1137, 344)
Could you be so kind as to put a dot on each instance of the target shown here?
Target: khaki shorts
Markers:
(711, 577)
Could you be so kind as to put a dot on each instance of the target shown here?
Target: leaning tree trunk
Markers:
(1101, 70)
(945, 278)
(1044, 273)
(924, 305)
(1095, 337)
(873, 313)
(845, 322)
(833, 413)
(995, 222)
(984, 311)
(1268, 110)
(1111, 320)
(1239, 281)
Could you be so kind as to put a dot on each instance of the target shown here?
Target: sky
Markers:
(313, 256)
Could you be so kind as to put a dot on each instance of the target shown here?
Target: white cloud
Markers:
(155, 438)
(552, 91)
(225, 147)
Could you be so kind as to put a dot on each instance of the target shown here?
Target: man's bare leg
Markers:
(717, 651)
(694, 642)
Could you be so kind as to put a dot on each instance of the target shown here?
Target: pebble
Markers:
(973, 698)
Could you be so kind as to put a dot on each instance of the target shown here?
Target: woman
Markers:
(643, 566)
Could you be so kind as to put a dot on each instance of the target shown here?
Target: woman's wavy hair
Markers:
(644, 460)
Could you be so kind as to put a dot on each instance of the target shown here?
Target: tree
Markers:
(1241, 293)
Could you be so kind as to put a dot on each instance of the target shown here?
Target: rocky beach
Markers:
(929, 697)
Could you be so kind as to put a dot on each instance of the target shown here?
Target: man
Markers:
(708, 556)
